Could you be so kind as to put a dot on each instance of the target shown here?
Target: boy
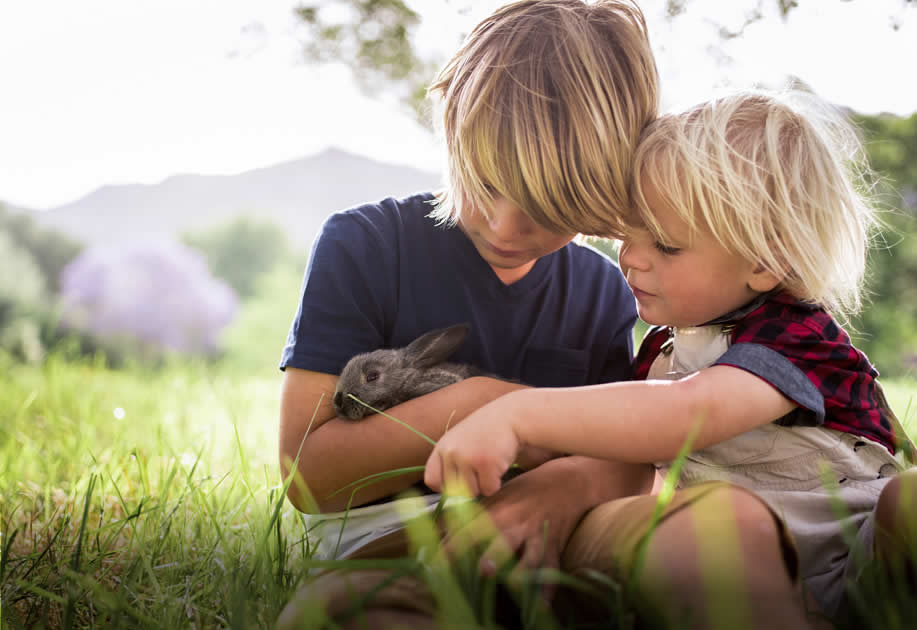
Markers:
(541, 110)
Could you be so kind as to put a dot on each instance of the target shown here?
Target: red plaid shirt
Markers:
(845, 394)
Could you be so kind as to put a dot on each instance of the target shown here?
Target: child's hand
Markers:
(476, 452)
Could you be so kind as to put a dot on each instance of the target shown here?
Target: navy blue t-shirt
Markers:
(381, 275)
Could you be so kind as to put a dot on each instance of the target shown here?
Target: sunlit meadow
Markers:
(149, 496)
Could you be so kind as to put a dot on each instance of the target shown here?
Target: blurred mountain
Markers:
(296, 195)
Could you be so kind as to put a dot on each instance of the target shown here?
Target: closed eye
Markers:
(666, 250)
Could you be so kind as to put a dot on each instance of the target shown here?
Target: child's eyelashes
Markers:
(666, 250)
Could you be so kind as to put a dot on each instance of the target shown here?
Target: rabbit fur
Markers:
(388, 377)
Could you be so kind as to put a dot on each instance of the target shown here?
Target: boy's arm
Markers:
(648, 421)
(635, 422)
(336, 452)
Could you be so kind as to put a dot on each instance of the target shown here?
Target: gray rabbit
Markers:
(388, 377)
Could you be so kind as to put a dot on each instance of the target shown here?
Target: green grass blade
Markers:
(393, 418)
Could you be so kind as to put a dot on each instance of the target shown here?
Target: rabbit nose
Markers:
(338, 399)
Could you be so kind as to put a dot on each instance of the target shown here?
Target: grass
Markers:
(160, 515)
(150, 497)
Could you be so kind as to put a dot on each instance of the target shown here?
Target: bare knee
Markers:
(730, 522)
(896, 518)
(898, 500)
(724, 559)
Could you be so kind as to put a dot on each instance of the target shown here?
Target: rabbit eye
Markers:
(372, 375)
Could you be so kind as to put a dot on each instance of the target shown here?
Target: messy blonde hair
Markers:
(778, 179)
(544, 104)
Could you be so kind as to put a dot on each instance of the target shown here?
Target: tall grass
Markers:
(150, 496)
(141, 498)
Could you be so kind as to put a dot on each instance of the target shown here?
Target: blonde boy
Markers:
(749, 228)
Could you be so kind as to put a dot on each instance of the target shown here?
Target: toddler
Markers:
(748, 240)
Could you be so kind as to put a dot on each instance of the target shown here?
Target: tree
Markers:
(147, 297)
(50, 250)
(22, 294)
(887, 329)
(239, 252)
(375, 39)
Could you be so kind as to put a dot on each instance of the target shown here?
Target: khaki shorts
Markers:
(606, 541)
(823, 484)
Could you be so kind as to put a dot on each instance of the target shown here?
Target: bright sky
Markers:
(132, 91)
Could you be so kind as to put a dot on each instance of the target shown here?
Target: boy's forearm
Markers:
(617, 421)
(341, 451)
(646, 421)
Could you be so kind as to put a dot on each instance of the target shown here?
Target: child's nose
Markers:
(633, 255)
(507, 221)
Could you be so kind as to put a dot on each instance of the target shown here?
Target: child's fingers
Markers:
(461, 475)
(489, 480)
(467, 478)
(456, 481)
(433, 472)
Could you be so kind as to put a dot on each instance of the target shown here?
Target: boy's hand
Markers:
(476, 452)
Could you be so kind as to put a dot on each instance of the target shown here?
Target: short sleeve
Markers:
(810, 361)
(348, 293)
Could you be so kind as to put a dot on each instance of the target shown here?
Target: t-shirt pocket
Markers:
(555, 367)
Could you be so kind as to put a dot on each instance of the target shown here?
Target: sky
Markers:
(103, 92)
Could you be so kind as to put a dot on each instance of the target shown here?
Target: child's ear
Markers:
(761, 280)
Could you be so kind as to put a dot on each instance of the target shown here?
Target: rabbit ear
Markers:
(435, 346)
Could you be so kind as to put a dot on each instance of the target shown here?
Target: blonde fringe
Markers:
(544, 105)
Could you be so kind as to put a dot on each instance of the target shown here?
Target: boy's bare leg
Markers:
(896, 525)
(730, 571)
(716, 561)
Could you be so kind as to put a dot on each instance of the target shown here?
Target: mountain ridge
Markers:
(297, 195)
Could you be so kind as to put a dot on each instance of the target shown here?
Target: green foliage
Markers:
(254, 341)
(139, 507)
(50, 250)
(153, 500)
(22, 294)
(375, 41)
(32, 259)
(887, 329)
(22, 281)
(240, 251)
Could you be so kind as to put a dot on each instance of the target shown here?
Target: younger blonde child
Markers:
(749, 230)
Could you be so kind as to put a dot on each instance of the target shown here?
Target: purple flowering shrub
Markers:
(158, 295)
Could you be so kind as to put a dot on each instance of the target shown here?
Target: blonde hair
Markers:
(544, 104)
(778, 179)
